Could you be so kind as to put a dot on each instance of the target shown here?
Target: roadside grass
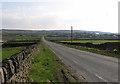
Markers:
(7, 52)
(92, 50)
(1, 43)
(0, 54)
(92, 41)
(46, 67)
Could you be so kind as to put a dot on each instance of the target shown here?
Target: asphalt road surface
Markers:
(94, 67)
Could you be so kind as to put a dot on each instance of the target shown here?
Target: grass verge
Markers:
(47, 67)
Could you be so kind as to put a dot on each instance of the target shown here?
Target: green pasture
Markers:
(7, 52)
(92, 41)
(58, 38)
(18, 42)
(17, 38)
(1, 43)
(26, 38)
(80, 40)
(64, 38)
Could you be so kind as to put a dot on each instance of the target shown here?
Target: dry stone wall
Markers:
(16, 68)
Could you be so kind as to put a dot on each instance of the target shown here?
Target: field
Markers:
(11, 48)
(7, 52)
(66, 38)
(16, 44)
(92, 41)
(18, 38)
(1, 43)
(58, 38)
(82, 40)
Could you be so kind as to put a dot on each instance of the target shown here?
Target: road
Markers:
(94, 67)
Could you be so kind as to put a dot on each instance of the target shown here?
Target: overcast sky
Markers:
(93, 15)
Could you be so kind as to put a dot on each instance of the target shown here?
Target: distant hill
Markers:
(77, 31)
(60, 33)
(55, 31)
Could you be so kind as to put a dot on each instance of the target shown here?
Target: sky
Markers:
(91, 15)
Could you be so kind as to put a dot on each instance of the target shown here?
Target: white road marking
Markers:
(101, 78)
(75, 62)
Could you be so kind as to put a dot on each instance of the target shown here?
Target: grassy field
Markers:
(26, 38)
(18, 42)
(58, 38)
(92, 41)
(1, 43)
(46, 67)
(21, 42)
(63, 38)
(18, 38)
(83, 40)
(7, 52)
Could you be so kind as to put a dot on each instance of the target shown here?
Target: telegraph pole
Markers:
(71, 34)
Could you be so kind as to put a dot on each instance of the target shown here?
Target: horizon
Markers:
(58, 30)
